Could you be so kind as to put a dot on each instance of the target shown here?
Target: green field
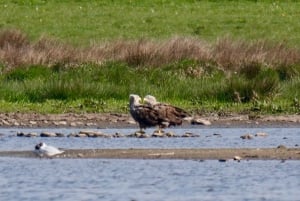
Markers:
(205, 56)
(82, 22)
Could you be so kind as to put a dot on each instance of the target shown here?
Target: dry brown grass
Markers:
(17, 50)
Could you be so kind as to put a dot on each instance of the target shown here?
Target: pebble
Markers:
(31, 134)
(261, 134)
(200, 122)
(247, 136)
(118, 135)
(33, 122)
(237, 158)
(47, 134)
(222, 160)
(188, 134)
(281, 147)
(91, 133)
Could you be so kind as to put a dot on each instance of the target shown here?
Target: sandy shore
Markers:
(279, 153)
(112, 120)
(116, 120)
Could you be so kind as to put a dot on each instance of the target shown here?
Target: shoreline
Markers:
(119, 120)
(221, 154)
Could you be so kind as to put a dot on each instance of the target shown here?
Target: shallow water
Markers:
(109, 179)
(228, 138)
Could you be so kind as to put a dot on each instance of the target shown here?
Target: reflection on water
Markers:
(229, 137)
(109, 179)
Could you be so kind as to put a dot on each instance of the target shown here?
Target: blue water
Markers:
(120, 179)
(229, 137)
(110, 179)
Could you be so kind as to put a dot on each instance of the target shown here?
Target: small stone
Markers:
(91, 133)
(222, 160)
(80, 135)
(237, 158)
(60, 135)
(20, 134)
(261, 134)
(131, 122)
(189, 134)
(281, 147)
(247, 137)
(5, 122)
(47, 134)
(200, 122)
(217, 134)
(118, 135)
(31, 134)
(33, 122)
(171, 134)
(158, 133)
(73, 124)
(138, 134)
(90, 124)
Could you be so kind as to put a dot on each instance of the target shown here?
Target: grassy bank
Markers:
(205, 56)
(82, 22)
(229, 76)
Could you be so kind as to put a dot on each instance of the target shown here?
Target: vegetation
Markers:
(202, 70)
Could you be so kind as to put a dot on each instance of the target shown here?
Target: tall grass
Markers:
(178, 69)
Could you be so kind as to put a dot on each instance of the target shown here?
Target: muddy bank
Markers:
(116, 120)
(222, 154)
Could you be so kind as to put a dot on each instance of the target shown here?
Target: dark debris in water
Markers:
(99, 134)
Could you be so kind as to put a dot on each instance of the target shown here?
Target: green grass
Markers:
(105, 88)
(82, 22)
(224, 81)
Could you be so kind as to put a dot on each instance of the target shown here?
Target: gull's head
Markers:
(150, 100)
(40, 146)
(134, 99)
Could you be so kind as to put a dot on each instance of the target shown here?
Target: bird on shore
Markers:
(175, 114)
(45, 150)
(154, 114)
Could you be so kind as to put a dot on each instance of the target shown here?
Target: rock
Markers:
(138, 134)
(156, 133)
(222, 160)
(60, 135)
(91, 133)
(118, 135)
(237, 158)
(71, 135)
(73, 124)
(281, 147)
(200, 122)
(6, 123)
(131, 122)
(31, 134)
(247, 136)
(60, 123)
(261, 134)
(217, 134)
(80, 155)
(90, 124)
(171, 134)
(188, 134)
(20, 134)
(47, 134)
(32, 122)
(80, 135)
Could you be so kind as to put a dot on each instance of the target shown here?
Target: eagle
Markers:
(153, 113)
